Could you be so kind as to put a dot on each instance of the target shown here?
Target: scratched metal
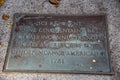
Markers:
(51, 43)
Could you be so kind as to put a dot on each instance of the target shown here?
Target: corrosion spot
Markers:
(40, 65)
(17, 56)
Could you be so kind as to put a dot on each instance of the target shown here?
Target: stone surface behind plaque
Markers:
(111, 8)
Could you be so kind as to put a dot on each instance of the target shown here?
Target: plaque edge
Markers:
(60, 71)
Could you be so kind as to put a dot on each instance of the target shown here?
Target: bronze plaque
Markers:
(51, 43)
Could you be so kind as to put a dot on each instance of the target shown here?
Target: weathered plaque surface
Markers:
(68, 44)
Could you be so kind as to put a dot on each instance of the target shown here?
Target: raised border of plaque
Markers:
(62, 44)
